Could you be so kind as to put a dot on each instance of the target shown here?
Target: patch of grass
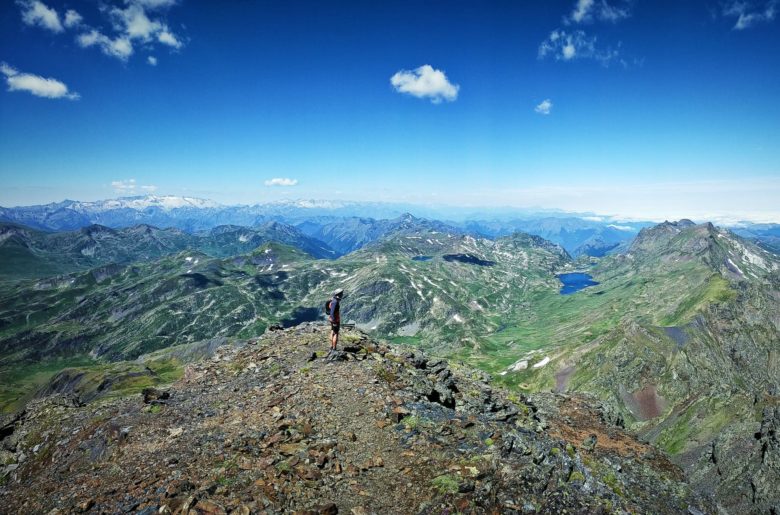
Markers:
(154, 409)
(411, 341)
(704, 419)
(414, 421)
(348, 337)
(385, 373)
(446, 484)
(20, 381)
(715, 289)
(226, 481)
(611, 480)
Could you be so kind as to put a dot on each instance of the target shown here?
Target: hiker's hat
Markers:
(340, 291)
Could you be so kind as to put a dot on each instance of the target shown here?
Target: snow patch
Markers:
(736, 267)
(417, 289)
(542, 363)
(751, 257)
(519, 365)
(458, 318)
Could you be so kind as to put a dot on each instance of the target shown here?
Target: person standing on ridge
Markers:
(334, 317)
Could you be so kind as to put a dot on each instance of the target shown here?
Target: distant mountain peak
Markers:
(164, 202)
(722, 250)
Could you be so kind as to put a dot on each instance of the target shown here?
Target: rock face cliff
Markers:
(276, 426)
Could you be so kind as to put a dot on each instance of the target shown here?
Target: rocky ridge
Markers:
(273, 426)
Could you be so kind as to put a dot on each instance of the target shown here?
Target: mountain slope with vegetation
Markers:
(29, 253)
(687, 351)
(349, 234)
(463, 289)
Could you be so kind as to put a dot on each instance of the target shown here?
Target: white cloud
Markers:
(156, 4)
(134, 22)
(150, 188)
(625, 228)
(132, 26)
(281, 181)
(581, 10)
(72, 19)
(566, 46)
(750, 13)
(35, 84)
(612, 14)
(152, 60)
(120, 47)
(168, 38)
(544, 107)
(425, 82)
(126, 186)
(586, 11)
(35, 12)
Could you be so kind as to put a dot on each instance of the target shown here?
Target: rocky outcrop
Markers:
(264, 428)
(741, 467)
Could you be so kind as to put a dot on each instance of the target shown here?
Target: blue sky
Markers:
(637, 108)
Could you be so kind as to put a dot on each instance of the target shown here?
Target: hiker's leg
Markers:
(335, 340)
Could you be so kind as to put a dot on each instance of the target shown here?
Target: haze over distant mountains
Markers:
(346, 226)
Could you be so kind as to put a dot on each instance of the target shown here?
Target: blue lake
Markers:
(575, 282)
(422, 258)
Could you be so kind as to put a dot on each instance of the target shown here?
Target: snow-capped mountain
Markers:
(187, 213)
(166, 202)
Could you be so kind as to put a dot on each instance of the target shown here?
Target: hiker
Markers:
(335, 318)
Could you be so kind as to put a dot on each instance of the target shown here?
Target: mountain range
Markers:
(345, 226)
(678, 336)
(28, 252)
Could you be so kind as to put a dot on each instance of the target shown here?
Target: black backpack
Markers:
(327, 307)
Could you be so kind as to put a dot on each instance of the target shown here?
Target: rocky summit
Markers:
(276, 425)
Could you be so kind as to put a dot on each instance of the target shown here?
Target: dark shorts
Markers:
(335, 328)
